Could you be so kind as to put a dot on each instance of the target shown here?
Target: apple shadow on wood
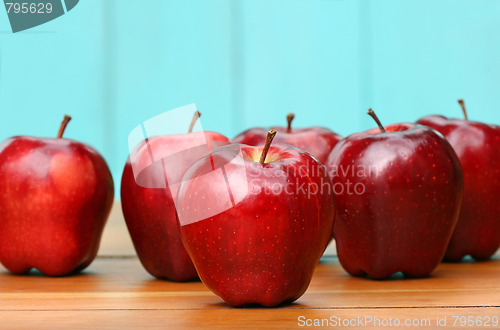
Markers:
(222, 305)
(36, 273)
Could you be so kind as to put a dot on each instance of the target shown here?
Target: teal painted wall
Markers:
(112, 64)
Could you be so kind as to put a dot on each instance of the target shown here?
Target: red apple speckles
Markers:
(403, 205)
(319, 141)
(255, 231)
(477, 146)
(55, 196)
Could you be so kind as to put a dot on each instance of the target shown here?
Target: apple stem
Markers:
(64, 123)
(289, 119)
(374, 116)
(196, 115)
(269, 139)
(462, 104)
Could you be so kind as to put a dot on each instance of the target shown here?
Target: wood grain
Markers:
(117, 292)
(243, 318)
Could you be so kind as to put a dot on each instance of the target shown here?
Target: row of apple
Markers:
(257, 238)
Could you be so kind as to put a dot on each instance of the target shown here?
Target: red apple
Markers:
(398, 192)
(148, 199)
(477, 146)
(256, 220)
(55, 197)
(319, 141)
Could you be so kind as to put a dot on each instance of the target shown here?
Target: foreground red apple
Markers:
(319, 141)
(148, 199)
(477, 146)
(55, 197)
(256, 220)
(398, 194)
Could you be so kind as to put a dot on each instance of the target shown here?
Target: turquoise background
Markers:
(113, 64)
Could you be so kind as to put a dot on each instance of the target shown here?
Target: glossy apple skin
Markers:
(262, 247)
(477, 146)
(55, 197)
(148, 205)
(319, 141)
(403, 212)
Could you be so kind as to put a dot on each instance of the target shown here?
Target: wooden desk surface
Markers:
(116, 292)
